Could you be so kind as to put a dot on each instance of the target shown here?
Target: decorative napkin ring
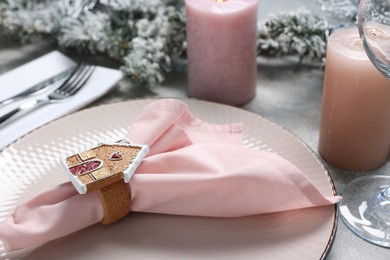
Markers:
(106, 168)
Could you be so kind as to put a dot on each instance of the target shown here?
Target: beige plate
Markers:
(32, 164)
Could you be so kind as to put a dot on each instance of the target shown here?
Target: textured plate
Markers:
(32, 164)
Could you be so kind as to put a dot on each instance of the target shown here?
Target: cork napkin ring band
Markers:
(116, 202)
(107, 168)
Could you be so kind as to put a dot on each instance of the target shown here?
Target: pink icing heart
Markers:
(116, 156)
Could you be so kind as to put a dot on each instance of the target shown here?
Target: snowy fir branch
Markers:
(293, 33)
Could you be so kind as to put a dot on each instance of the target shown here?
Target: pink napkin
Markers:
(193, 168)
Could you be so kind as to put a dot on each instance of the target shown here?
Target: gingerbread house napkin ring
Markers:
(106, 168)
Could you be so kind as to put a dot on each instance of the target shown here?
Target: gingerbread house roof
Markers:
(104, 164)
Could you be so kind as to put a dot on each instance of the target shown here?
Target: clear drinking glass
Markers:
(365, 207)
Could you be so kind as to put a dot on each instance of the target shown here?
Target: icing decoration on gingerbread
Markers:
(116, 156)
(85, 167)
(87, 155)
(104, 164)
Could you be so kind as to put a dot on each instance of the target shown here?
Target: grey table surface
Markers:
(287, 93)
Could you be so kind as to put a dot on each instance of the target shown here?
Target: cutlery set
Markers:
(55, 89)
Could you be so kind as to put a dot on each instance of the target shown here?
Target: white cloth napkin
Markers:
(38, 70)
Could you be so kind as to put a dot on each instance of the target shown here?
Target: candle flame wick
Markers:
(220, 1)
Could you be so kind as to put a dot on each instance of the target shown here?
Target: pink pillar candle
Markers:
(355, 119)
(221, 51)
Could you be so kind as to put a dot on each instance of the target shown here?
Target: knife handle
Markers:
(21, 110)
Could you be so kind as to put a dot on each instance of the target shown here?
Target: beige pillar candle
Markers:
(355, 119)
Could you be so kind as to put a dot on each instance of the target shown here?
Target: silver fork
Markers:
(63, 91)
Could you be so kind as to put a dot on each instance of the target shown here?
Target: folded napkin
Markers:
(193, 168)
(41, 69)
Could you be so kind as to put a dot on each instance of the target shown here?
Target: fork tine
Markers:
(64, 86)
(83, 78)
(76, 81)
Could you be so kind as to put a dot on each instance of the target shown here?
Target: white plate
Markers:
(32, 164)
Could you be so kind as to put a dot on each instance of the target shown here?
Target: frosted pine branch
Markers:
(293, 33)
(341, 8)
